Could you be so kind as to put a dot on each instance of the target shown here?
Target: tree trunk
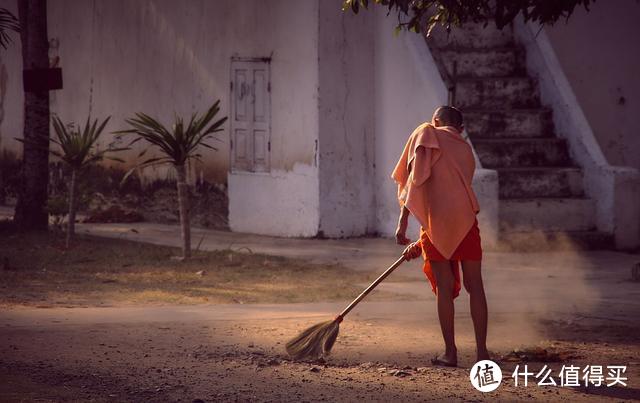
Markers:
(31, 209)
(71, 224)
(183, 203)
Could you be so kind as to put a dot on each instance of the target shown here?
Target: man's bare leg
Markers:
(478, 304)
(445, 283)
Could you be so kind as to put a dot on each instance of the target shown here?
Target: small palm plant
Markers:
(77, 149)
(177, 147)
(8, 22)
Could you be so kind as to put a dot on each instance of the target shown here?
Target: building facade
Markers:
(320, 103)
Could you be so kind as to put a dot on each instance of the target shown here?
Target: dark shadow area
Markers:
(614, 392)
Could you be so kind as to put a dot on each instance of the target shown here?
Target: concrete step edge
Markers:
(481, 111)
(539, 169)
(515, 48)
(522, 140)
(511, 136)
(468, 79)
(547, 199)
(507, 199)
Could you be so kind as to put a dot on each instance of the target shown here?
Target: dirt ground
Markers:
(59, 345)
(231, 360)
(36, 269)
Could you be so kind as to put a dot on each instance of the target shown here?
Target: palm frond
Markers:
(178, 144)
(147, 163)
(209, 146)
(8, 22)
(77, 144)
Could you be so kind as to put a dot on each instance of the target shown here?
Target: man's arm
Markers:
(423, 166)
(401, 231)
(413, 250)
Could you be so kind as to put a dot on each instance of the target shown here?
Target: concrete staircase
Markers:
(542, 200)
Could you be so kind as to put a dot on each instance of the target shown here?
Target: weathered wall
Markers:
(346, 134)
(600, 56)
(408, 90)
(281, 203)
(345, 95)
(614, 188)
(123, 56)
(285, 201)
(11, 95)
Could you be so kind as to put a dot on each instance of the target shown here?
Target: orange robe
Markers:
(438, 191)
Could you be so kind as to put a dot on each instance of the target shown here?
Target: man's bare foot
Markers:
(445, 360)
(483, 355)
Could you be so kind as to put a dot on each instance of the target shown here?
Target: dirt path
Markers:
(188, 353)
(582, 305)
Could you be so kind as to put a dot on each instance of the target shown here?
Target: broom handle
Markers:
(371, 287)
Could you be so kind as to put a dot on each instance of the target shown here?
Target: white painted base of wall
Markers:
(485, 185)
(619, 196)
(286, 202)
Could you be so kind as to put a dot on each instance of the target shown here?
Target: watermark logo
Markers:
(572, 376)
(485, 376)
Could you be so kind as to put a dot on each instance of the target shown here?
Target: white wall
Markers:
(161, 56)
(408, 90)
(615, 189)
(281, 203)
(600, 55)
(285, 201)
(374, 89)
(346, 94)
(346, 132)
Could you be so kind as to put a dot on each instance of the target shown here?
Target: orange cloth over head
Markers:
(438, 191)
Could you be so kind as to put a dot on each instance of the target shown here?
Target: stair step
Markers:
(496, 92)
(485, 63)
(507, 153)
(509, 123)
(544, 241)
(542, 204)
(471, 36)
(517, 183)
(560, 214)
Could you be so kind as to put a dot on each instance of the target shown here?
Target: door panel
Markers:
(251, 116)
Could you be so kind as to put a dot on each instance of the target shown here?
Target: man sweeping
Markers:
(434, 176)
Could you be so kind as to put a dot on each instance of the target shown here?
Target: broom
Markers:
(318, 340)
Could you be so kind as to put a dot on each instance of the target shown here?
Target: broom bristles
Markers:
(315, 341)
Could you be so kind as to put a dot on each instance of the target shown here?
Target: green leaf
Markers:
(77, 145)
(181, 142)
(450, 13)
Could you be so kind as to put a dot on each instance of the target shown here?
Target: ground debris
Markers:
(366, 365)
(539, 354)
(113, 214)
(400, 373)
